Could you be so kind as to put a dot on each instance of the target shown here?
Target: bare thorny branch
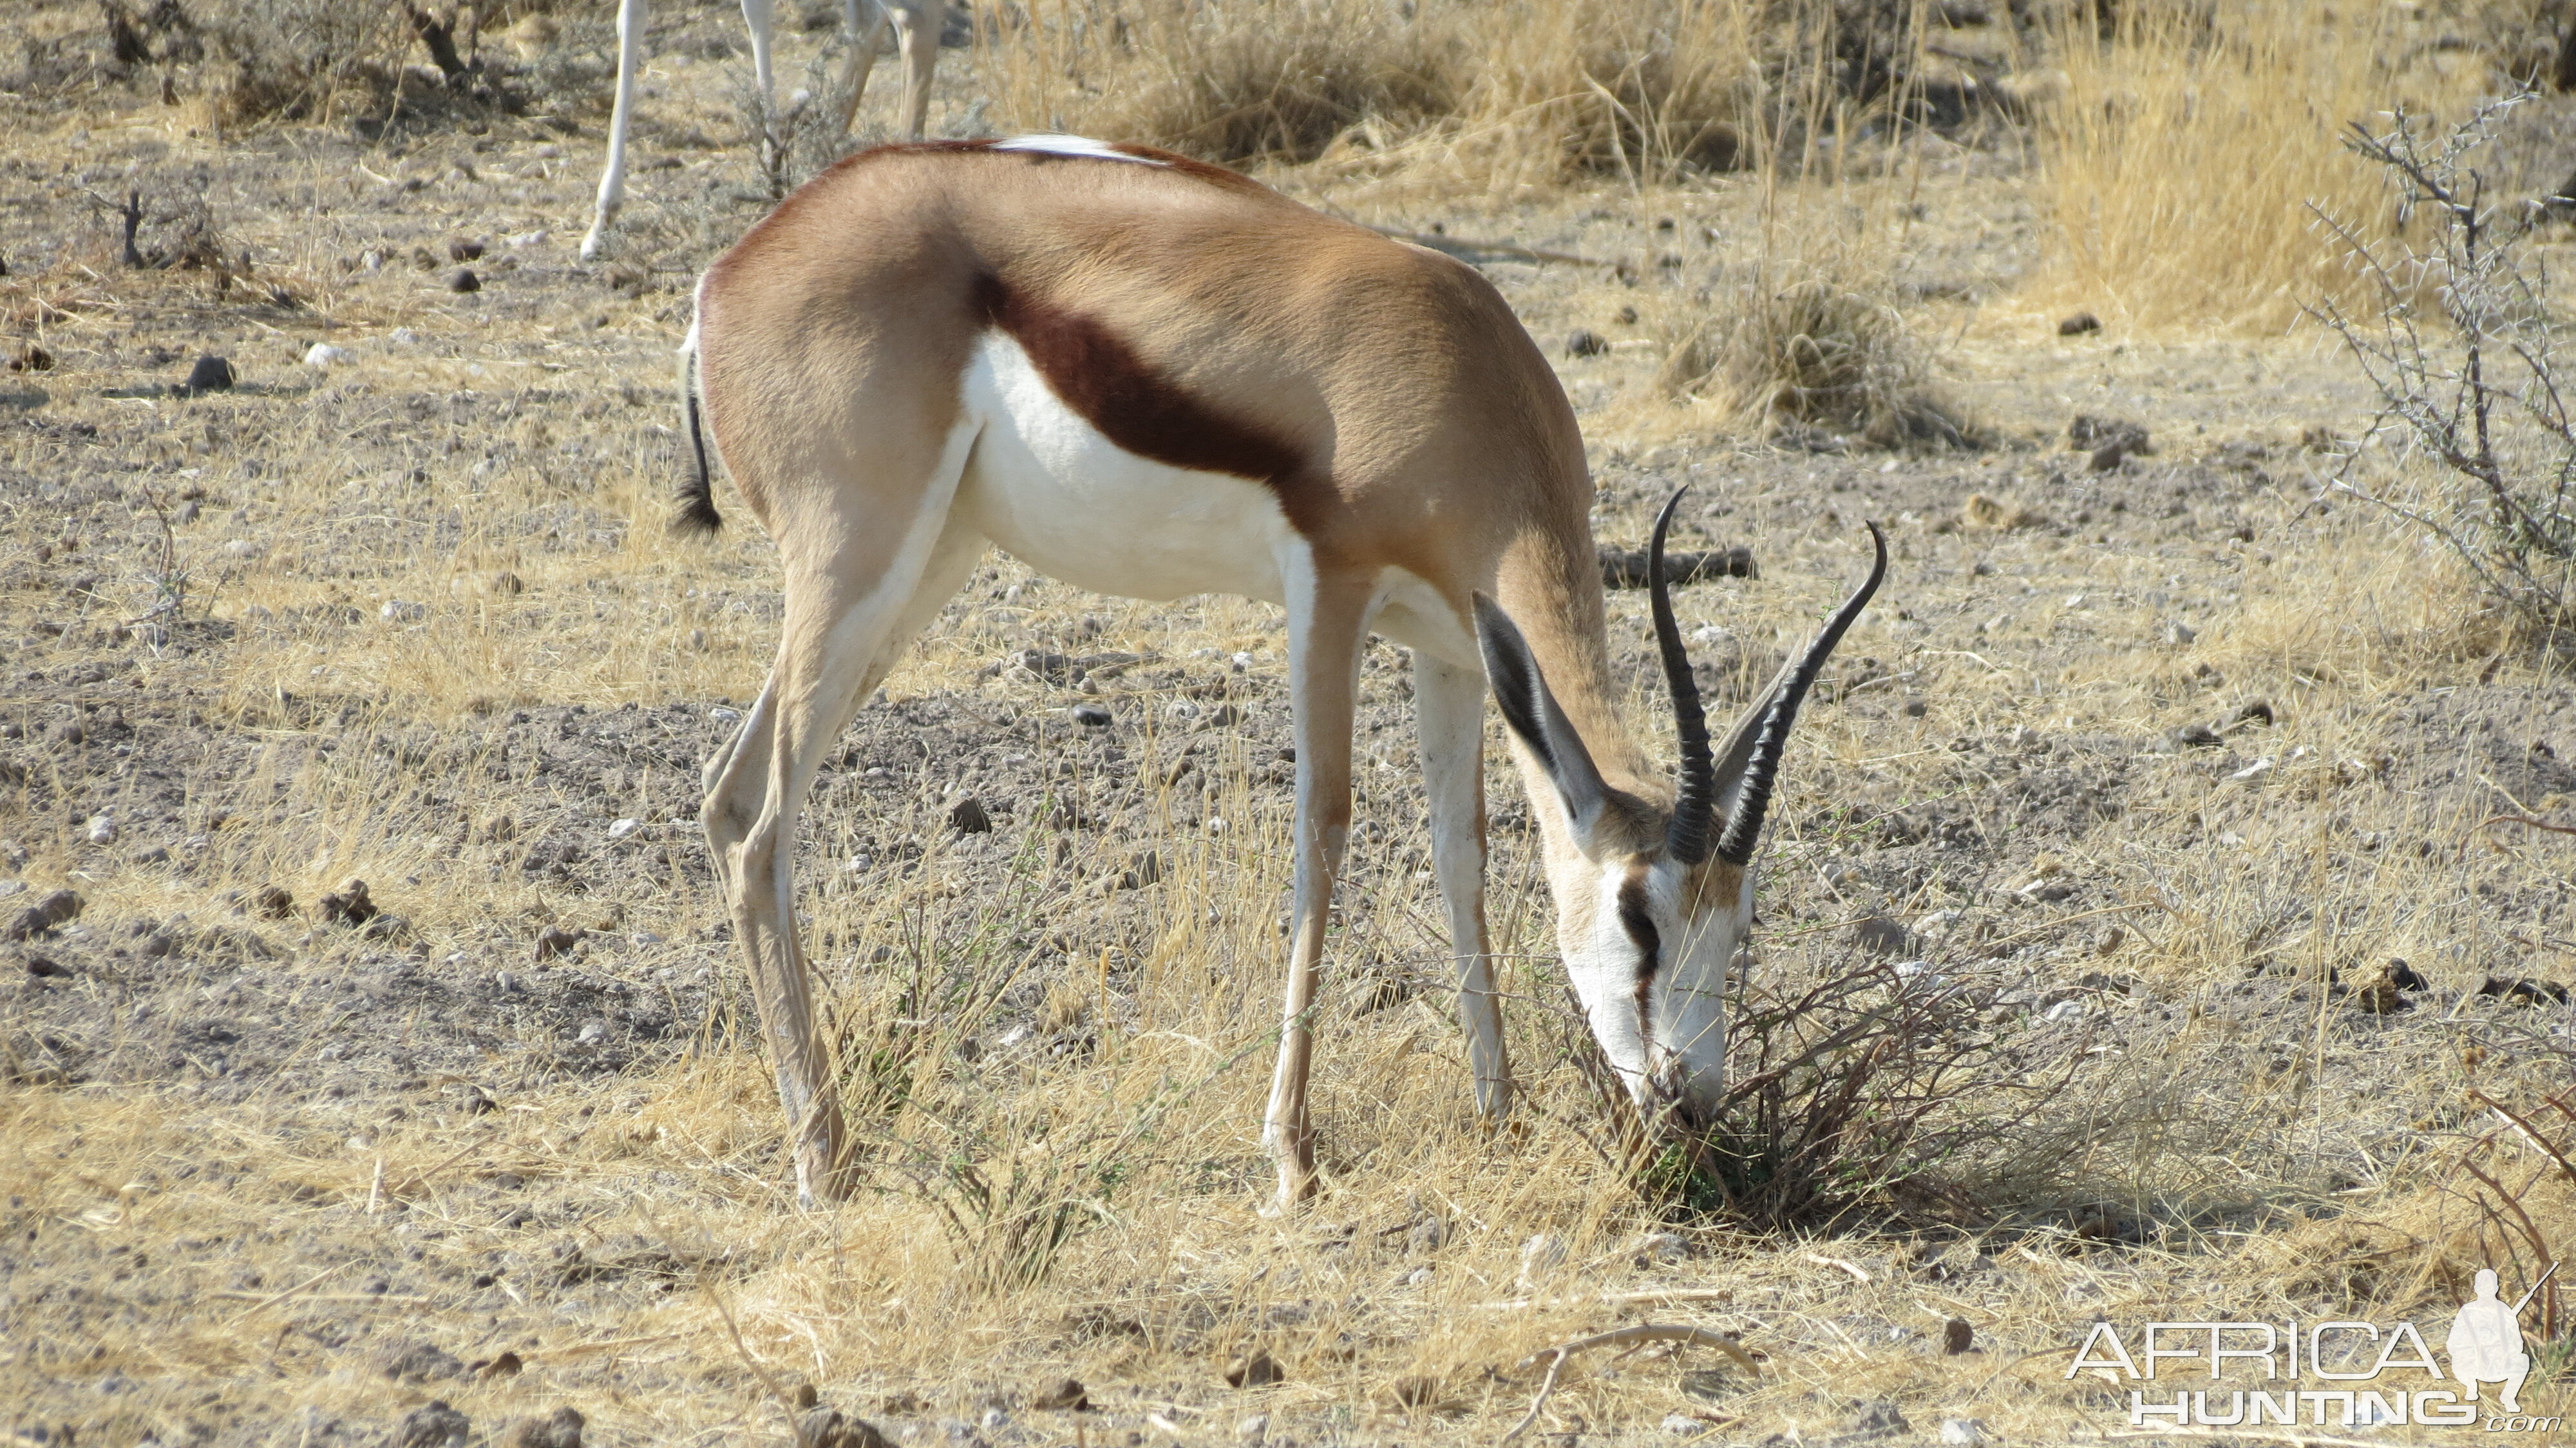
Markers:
(2480, 395)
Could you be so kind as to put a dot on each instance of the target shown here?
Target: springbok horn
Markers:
(1753, 794)
(1688, 839)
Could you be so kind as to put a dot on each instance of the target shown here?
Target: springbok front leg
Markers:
(1328, 619)
(1449, 708)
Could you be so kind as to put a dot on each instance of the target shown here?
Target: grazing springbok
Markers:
(916, 23)
(1149, 376)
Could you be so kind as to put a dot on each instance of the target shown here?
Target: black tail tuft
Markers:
(697, 491)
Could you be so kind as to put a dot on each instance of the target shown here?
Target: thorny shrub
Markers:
(1855, 1090)
(2461, 348)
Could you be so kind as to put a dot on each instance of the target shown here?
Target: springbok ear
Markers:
(1534, 715)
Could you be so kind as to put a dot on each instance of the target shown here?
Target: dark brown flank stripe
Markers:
(1635, 918)
(1101, 378)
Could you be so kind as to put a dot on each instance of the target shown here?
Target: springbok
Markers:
(916, 23)
(1149, 376)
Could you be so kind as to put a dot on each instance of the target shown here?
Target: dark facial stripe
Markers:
(1103, 380)
(1639, 922)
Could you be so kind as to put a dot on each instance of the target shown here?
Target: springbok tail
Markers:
(697, 490)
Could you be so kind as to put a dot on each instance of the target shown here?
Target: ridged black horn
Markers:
(1687, 841)
(1753, 795)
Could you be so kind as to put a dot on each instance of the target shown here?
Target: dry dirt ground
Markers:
(2157, 767)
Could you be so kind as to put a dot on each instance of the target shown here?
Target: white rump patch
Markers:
(1061, 145)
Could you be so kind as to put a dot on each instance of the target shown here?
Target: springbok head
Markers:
(1652, 902)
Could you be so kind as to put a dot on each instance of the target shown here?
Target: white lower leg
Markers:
(612, 181)
(1450, 707)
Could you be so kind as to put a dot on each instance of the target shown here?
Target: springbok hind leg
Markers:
(839, 638)
(1327, 619)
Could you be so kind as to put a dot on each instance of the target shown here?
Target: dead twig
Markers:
(2528, 822)
(1644, 1332)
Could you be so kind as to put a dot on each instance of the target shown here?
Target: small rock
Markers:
(1585, 343)
(1541, 1255)
(1142, 870)
(433, 1425)
(967, 817)
(420, 1361)
(1878, 935)
(400, 610)
(1877, 1419)
(1957, 1336)
(349, 906)
(46, 916)
(47, 968)
(323, 354)
(2078, 324)
(1255, 1369)
(1063, 1396)
(462, 249)
(2193, 736)
(2088, 433)
(465, 281)
(592, 1032)
(555, 940)
(1091, 716)
(1681, 1425)
(1663, 1248)
(271, 902)
(560, 1430)
(2066, 1011)
(1253, 1429)
(102, 829)
(2000, 515)
(1963, 1432)
(2109, 940)
(620, 829)
(211, 373)
(830, 1428)
(1413, 1392)
(2523, 992)
(1427, 1235)
(2179, 634)
(2387, 995)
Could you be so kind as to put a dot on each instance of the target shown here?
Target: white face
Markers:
(1651, 971)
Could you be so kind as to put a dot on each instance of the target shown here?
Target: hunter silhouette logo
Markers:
(2486, 1342)
(2359, 1370)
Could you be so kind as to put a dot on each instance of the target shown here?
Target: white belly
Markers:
(1046, 485)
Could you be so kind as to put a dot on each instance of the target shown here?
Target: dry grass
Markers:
(2189, 145)
(451, 529)
(1525, 92)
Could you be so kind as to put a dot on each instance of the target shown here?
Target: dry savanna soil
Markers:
(2178, 812)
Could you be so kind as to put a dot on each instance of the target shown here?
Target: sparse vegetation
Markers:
(2457, 337)
(2076, 992)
